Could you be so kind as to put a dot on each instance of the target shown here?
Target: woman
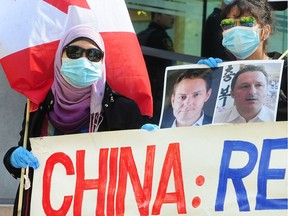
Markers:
(247, 25)
(79, 101)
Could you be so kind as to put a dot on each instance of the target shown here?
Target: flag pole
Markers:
(283, 55)
(21, 188)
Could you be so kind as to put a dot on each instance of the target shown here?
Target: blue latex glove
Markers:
(150, 127)
(211, 62)
(21, 157)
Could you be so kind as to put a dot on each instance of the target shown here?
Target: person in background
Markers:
(247, 25)
(212, 35)
(249, 88)
(155, 36)
(80, 101)
(191, 90)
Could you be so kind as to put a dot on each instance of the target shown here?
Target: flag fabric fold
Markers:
(28, 47)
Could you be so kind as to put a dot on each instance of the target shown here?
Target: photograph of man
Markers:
(191, 90)
(249, 89)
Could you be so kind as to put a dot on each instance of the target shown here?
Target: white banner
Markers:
(210, 170)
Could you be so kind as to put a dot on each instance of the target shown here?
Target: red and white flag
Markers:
(31, 30)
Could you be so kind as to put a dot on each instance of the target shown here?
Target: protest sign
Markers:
(210, 170)
(186, 100)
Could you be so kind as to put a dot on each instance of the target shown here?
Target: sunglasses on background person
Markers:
(92, 54)
(243, 21)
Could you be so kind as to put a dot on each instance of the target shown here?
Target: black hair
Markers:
(260, 9)
(153, 15)
(250, 68)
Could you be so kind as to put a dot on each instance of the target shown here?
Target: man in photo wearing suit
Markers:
(191, 90)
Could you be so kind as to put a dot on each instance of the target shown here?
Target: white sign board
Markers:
(210, 170)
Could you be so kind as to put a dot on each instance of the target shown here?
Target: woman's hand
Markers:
(150, 127)
(21, 158)
(211, 62)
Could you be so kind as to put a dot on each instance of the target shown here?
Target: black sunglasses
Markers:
(92, 54)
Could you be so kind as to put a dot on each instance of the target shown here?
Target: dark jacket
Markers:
(156, 37)
(282, 104)
(212, 38)
(118, 113)
(207, 119)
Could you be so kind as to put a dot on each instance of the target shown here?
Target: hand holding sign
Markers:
(21, 158)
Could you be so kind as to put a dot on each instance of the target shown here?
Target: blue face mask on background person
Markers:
(227, 1)
(81, 72)
(241, 41)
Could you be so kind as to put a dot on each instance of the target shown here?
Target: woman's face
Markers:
(245, 20)
(82, 64)
(88, 51)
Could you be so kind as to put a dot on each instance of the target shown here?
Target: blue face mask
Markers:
(227, 1)
(81, 72)
(241, 41)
